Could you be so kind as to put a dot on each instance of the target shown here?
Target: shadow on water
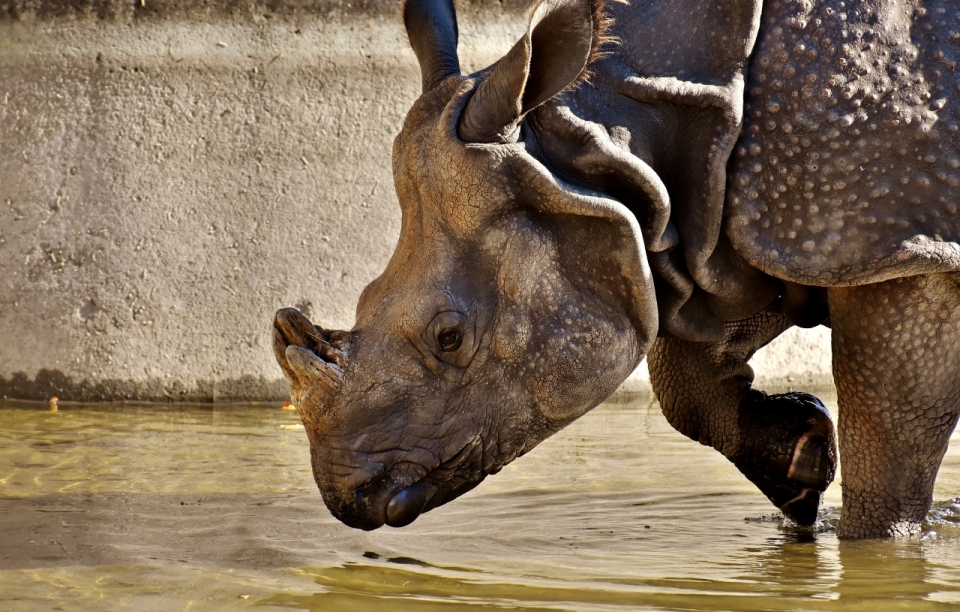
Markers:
(212, 507)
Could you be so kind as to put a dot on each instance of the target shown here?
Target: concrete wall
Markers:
(171, 173)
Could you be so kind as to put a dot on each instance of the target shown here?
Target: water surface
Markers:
(112, 507)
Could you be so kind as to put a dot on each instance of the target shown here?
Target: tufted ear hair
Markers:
(561, 36)
(432, 29)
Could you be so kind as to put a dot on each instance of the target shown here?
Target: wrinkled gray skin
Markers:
(728, 171)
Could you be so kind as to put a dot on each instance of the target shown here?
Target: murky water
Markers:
(209, 508)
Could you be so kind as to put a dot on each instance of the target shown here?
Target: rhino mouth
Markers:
(409, 503)
(395, 500)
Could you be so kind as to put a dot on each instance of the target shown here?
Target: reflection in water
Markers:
(896, 577)
(106, 507)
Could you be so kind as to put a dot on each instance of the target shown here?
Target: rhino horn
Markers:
(561, 36)
(432, 30)
(313, 359)
(308, 366)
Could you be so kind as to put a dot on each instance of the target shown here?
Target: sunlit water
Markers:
(209, 508)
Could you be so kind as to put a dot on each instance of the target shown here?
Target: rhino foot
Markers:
(788, 449)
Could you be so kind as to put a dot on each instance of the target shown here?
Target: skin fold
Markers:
(686, 179)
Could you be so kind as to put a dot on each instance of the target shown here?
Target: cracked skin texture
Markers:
(550, 233)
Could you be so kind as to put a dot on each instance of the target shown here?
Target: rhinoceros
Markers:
(677, 179)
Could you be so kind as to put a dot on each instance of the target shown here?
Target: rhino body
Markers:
(681, 178)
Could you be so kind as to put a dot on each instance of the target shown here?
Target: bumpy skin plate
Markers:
(848, 168)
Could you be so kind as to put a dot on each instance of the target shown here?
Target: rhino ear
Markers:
(554, 51)
(432, 30)
(600, 242)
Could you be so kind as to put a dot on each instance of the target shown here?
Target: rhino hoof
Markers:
(788, 449)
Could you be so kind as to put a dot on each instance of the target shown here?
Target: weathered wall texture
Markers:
(171, 173)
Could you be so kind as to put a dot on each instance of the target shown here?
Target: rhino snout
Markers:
(367, 492)
(376, 502)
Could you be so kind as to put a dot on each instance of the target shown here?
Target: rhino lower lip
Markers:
(404, 507)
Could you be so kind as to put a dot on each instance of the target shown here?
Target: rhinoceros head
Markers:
(514, 302)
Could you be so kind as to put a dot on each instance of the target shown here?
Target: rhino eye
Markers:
(449, 339)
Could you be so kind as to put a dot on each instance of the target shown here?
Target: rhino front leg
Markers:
(895, 359)
(783, 443)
